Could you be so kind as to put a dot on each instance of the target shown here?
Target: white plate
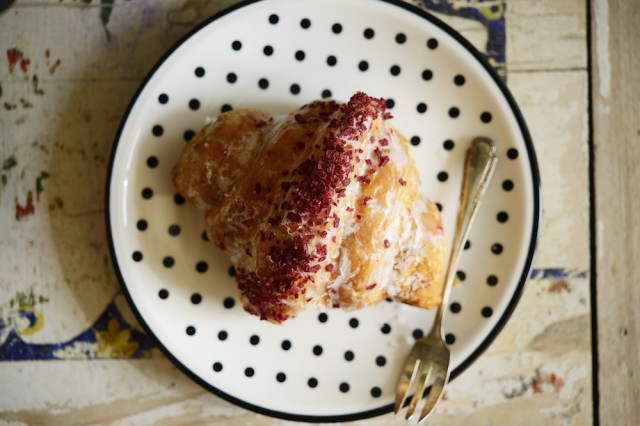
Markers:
(278, 55)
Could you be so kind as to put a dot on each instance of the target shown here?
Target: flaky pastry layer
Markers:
(321, 207)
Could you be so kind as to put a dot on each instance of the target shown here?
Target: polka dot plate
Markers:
(277, 55)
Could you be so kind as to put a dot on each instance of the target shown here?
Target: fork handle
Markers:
(479, 165)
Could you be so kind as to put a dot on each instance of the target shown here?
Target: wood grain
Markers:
(616, 137)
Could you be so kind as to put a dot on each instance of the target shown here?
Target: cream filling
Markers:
(386, 274)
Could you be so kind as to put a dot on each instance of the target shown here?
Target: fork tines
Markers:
(414, 384)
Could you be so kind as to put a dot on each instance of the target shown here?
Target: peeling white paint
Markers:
(599, 241)
(601, 18)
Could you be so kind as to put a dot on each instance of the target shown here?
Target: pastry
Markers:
(321, 207)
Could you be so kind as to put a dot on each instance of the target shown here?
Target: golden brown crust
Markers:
(321, 207)
(217, 155)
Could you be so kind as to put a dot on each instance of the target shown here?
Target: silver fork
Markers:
(428, 362)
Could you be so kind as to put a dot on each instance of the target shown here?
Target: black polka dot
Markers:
(497, 248)
(273, 19)
(507, 185)
(191, 330)
(461, 275)
(401, 38)
(390, 103)
(199, 72)
(512, 153)
(455, 307)
(136, 256)
(226, 108)
(228, 302)
(454, 112)
(354, 323)
(300, 55)
(363, 65)
(492, 280)
(267, 50)
(502, 217)
(417, 334)
(204, 236)
(486, 117)
(432, 43)
(202, 266)
(381, 361)
(249, 372)
(194, 104)
(174, 230)
(142, 225)
(231, 271)
(486, 312)
(222, 335)
(163, 294)
(236, 45)
(415, 140)
(459, 80)
(168, 262)
(450, 338)
(285, 345)
(332, 60)
(263, 83)
(326, 93)
(323, 317)
(349, 355)
(467, 245)
(152, 162)
(421, 108)
(443, 176)
(188, 134)
(254, 340)
(439, 207)
(385, 329)
(294, 89)
(394, 70)
(305, 23)
(281, 377)
(147, 193)
(448, 144)
(163, 98)
(427, 75)
(217, 367)
(375, 392)
(312, 382)
(232, 77)
(344, 387)
(336, 28)
(368, 33)
(317, 350)
(178, 199)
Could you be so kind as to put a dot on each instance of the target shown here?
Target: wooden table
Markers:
(568, 356)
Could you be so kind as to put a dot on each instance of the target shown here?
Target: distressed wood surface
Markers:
(538, 371)
(616, 135)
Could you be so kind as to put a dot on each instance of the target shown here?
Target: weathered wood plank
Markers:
(546, 35)
(616, 136)
(536, 372)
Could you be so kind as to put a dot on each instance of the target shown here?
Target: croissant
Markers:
(321, 207)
